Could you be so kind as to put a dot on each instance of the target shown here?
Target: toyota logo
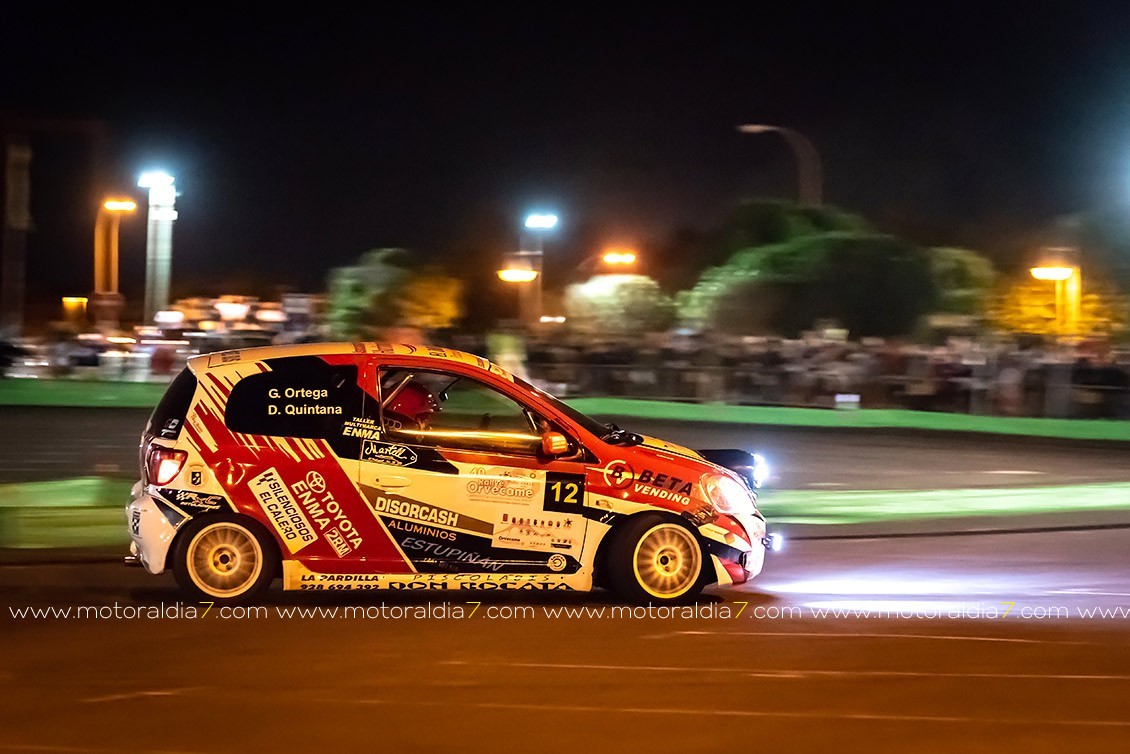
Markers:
(316, 481)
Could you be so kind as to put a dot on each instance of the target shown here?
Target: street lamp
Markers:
(158, 240)
(108, 301)
(809, 175)
(613, 259)
(517, 274)
(525, 265)
(619, 257)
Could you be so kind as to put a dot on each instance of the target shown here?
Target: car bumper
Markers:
(738, 547)
(150, 532)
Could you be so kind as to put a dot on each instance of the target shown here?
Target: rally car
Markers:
(377, 466)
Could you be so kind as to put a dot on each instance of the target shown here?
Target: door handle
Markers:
(392, 482)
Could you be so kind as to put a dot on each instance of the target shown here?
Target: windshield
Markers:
(590, 424)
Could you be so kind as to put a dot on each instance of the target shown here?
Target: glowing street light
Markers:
(517, 275)
(119, 205)
(74, 310)
(541, 221)
(1052, 273)
(619, 258)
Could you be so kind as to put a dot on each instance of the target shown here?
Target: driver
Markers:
(411, 408)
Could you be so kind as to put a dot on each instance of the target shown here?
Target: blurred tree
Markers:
(964, 280)
(383, 290)
(767, 222)
(618, 305)
(429, 300)
(871, 284)
(360, 296)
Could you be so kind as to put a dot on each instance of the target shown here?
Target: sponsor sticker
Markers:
(557, 562)
(405, 508)
(421, 550)
(618, 475)
(341, 547)
(383, 452)
(663, 486)
(411, 527)
(196, 475)
(190, 499)
(540, 532)
(360, 426)
(281, 508)
(316, 499)
(503, 484)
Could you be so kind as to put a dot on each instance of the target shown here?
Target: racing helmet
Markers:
(412, 406)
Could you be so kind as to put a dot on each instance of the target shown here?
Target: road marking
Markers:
(603, 710)
(1015, 472)
(1090, 593)
(799, 673)
(36, 747)
(828, 635)
(136, 695)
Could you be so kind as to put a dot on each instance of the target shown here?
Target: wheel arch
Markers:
(622, 522)
(250, 522)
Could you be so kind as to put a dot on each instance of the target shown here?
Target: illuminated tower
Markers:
(158, 240)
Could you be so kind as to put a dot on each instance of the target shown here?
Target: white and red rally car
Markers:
(370, 466)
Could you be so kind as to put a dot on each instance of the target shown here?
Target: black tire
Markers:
(224, 559)
(655, 559)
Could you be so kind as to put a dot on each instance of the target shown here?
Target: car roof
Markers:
(438, 354)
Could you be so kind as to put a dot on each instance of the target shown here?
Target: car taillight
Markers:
(165, 464)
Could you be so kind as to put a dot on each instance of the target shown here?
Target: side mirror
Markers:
(554, 444)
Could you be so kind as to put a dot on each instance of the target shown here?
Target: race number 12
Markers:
(564, 493)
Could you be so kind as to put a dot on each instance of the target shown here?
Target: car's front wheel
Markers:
(657, 560)
(224, 559)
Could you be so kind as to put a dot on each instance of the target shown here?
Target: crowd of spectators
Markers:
(1087, 380)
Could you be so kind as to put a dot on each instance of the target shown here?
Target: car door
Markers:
(458, 477)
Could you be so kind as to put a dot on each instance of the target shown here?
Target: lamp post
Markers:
(525, 266)
(1068, 294)
(108, 300)
(809, 174)
(158, 240)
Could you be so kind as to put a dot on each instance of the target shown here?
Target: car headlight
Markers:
(760, 470)
(727, 495)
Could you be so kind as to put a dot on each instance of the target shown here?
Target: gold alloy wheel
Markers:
(667, 561)
(224, 560)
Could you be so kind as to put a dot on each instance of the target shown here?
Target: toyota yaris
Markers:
(374, 466)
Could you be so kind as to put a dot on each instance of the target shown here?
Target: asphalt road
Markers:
(923, 659)
(51, 443)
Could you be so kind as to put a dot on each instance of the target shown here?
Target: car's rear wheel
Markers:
(224, 559)
(655, 559)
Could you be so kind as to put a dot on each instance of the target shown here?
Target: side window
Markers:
(449, 410)
(301, 396)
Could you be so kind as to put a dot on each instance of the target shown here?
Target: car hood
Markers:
(670, 447)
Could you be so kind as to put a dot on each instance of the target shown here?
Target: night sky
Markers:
(299, 142)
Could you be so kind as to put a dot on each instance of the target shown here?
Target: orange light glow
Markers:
(119, 205)
(517, 275)
(619, 257)
(1052, 273)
